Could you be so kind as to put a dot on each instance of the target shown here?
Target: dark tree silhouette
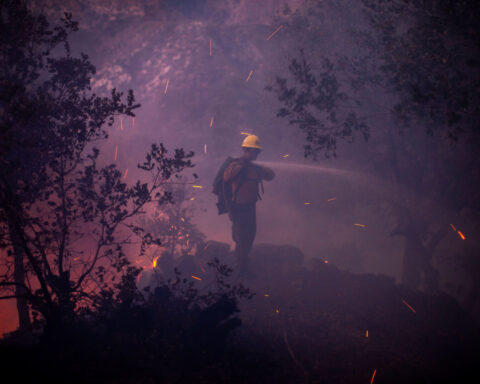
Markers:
(422, 58)
(64, 219)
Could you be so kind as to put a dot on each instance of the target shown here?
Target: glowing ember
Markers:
(75, 258)
(154, 264)
(277, 311)
(192, 198)
(210, 47)
(205, 148)
(453, 227)
(331, 199)
(409, 306)
(182, 219)
(249, 76)
(274, 32)
(373, 376)
(197, 186)
(133, 122)
(121, 124)
(285, 156)
(360, 225)
(266, 295)
(211, 122)
(326, 261)
(462, 236)
(307, 203)
(196, 278)
(166, 87)
(116, 153)
(366, 334)
(125, 175)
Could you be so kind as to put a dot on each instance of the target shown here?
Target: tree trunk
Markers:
(19, 279)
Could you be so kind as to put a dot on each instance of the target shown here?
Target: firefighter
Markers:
(245, 177)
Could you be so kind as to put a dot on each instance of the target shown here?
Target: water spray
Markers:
(298, 167)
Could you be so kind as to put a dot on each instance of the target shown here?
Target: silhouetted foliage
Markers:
(428, 54)
(314, 104)
(63, 217)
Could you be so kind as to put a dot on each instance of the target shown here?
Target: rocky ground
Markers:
(307, 323)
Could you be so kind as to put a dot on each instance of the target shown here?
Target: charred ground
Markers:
(308, 322)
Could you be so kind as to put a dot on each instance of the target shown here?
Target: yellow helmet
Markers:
(251, 141)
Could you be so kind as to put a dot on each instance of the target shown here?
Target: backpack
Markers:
(223, 190)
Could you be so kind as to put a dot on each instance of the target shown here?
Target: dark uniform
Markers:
(245, 178)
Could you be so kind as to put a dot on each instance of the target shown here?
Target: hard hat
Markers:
(251, 141)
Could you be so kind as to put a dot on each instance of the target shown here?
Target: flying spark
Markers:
(331, 199)
(326, 261)
(133, 122)
(366, 334)
(462, 236)
(192, 198)
(266, 295)
(197, 186)
(373, 376)
(166, 87)
(196, 278)
(116, 153)
(285, 156)
(249, 76)
(360, 225)
(307, 203)
(125, 175)
(273, 33)
(245, 133)
(409, 306)
(211, 122)
(210, 47)
(277, 311)
(205, 148)
(453, 227)
(121, 124)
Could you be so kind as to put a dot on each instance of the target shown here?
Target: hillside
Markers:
(308, 322)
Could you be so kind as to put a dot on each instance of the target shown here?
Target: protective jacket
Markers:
(245, 178)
